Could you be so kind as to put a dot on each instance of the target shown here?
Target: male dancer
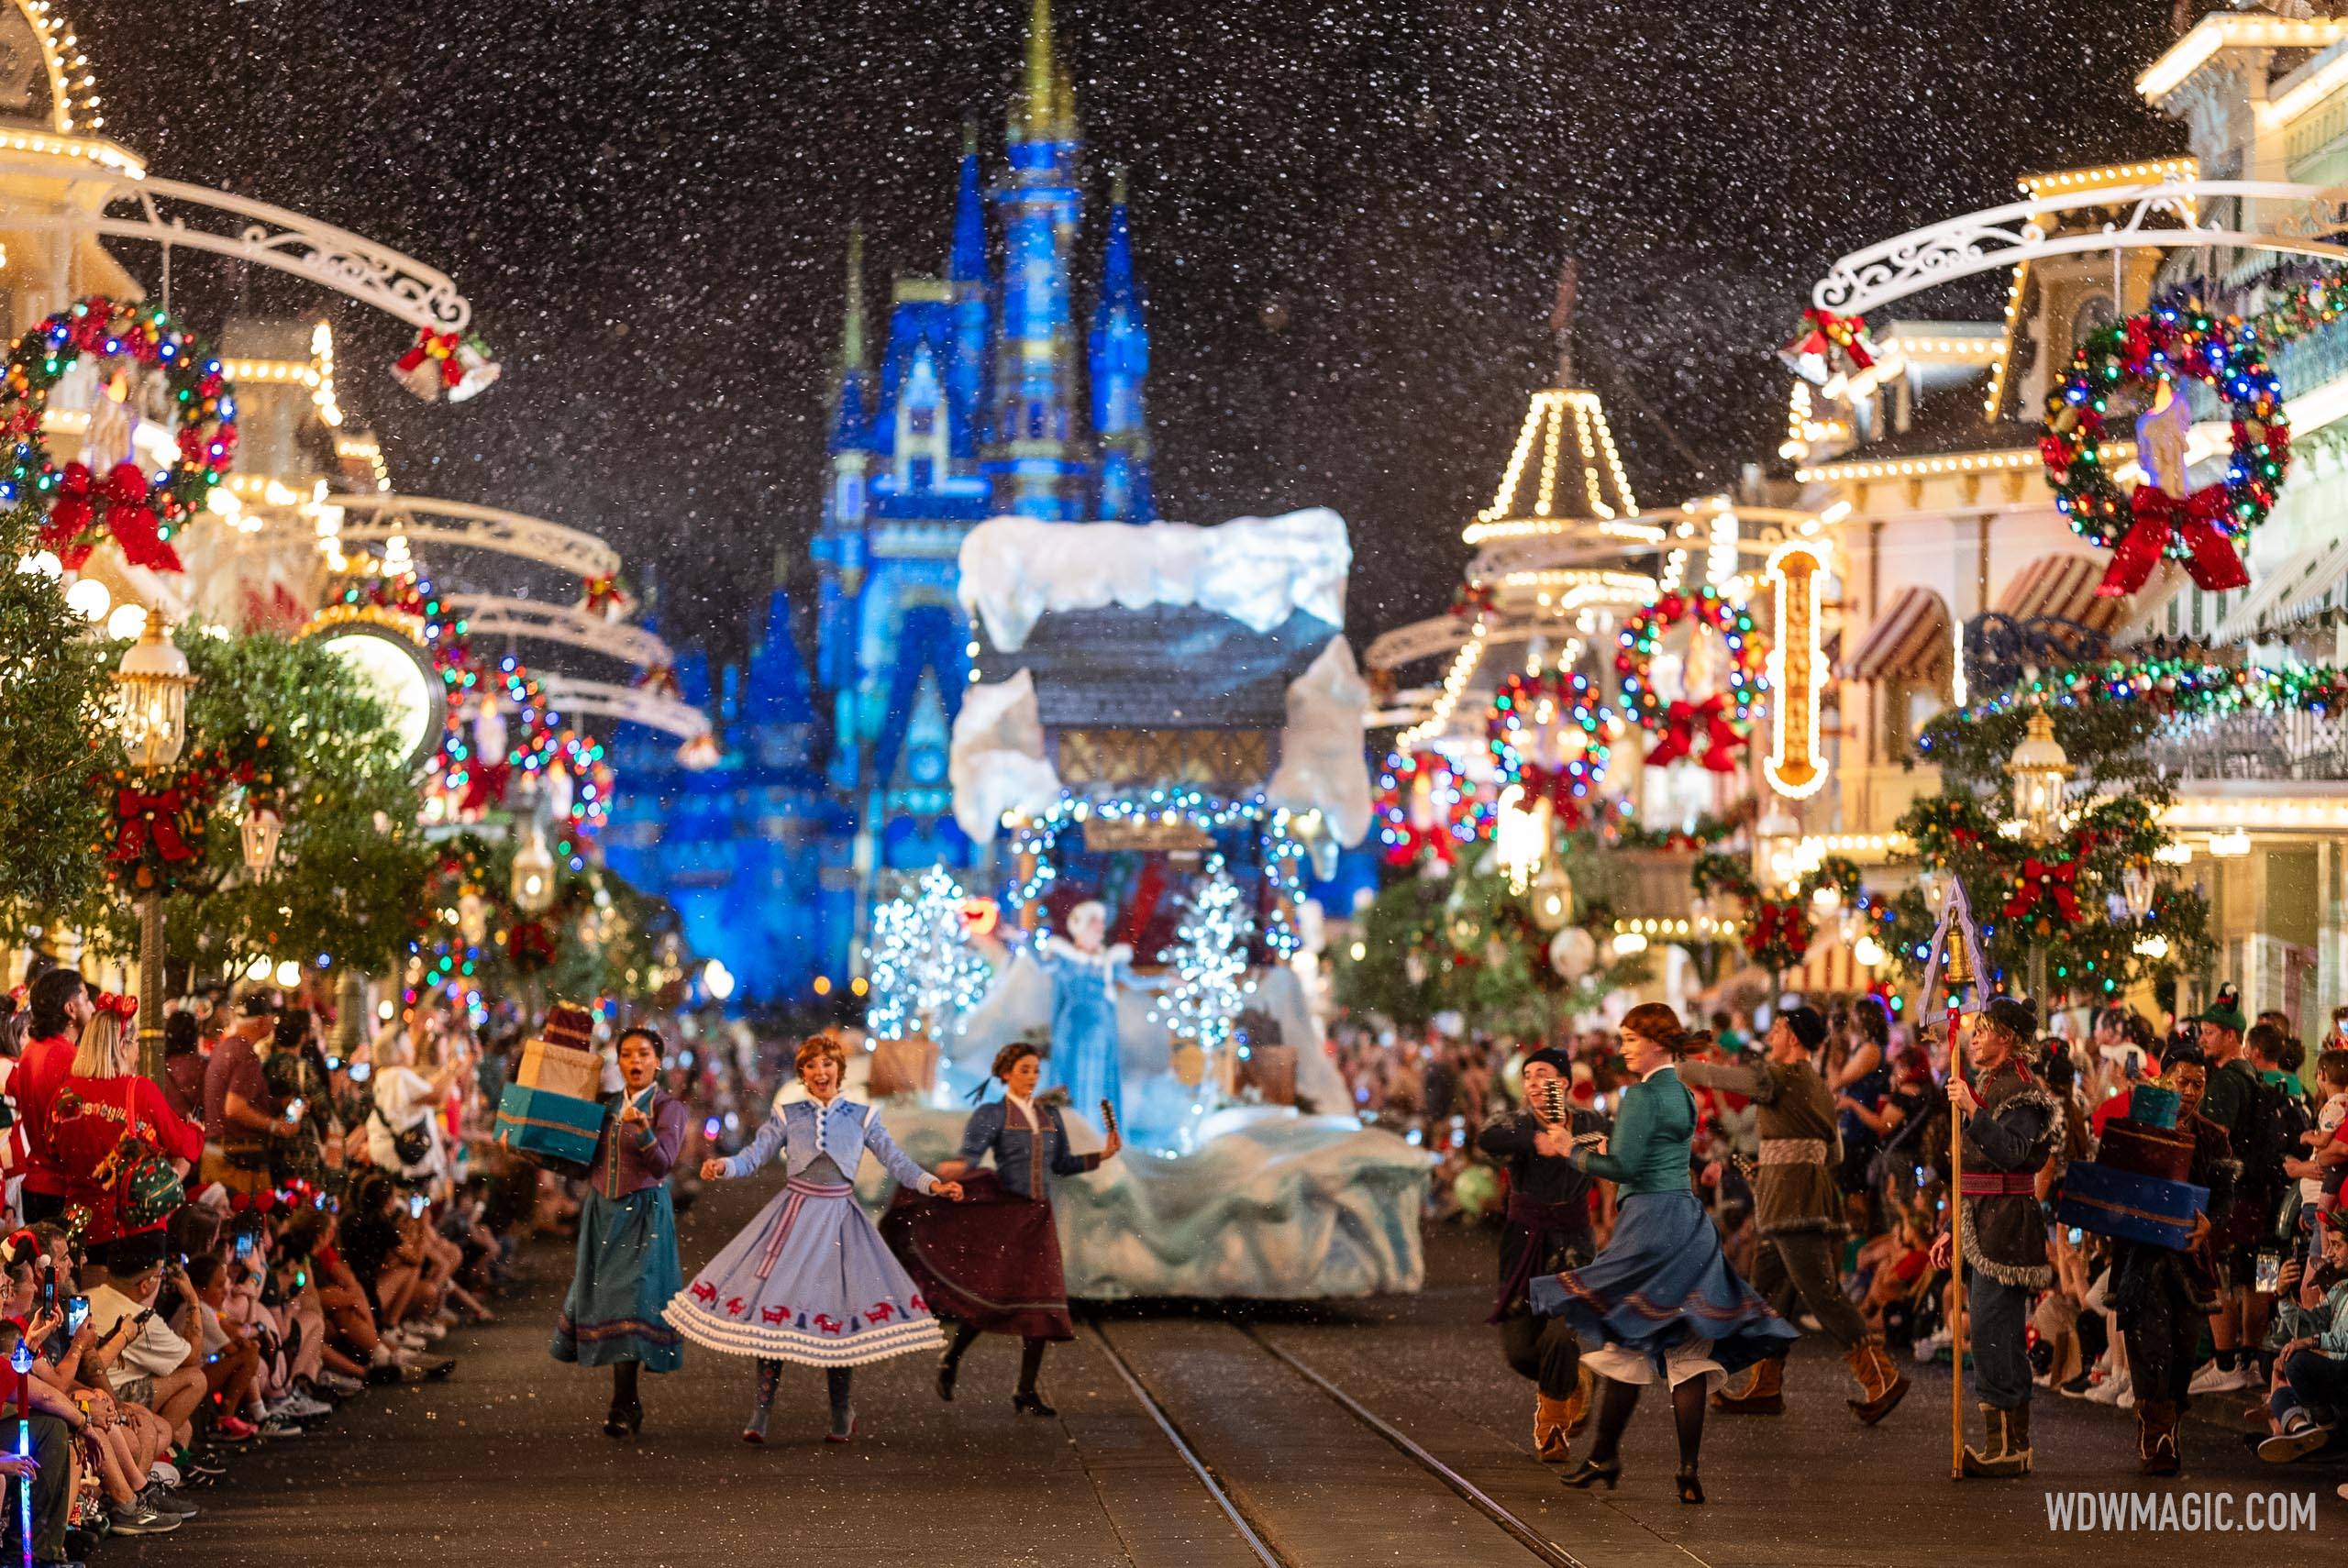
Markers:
(1799, 1214)
(2010, 1130)
(1548, 1231)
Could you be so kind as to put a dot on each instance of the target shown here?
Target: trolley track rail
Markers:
(1525, 1534)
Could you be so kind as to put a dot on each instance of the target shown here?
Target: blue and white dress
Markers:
(810, 1280)
(1085, 1054)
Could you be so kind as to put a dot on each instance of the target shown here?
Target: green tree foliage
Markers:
(54, 693)
(352, 865)
(2116, 799)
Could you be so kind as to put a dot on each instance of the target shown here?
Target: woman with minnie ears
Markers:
(626, 1270)
(810, 1280)
(995, 1267)
(101, 1099)
(1659, 1302)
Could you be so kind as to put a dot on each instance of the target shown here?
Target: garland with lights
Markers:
(1282, 855)
(1699, 835)
(1557, 717)
(2200, 530)
(85, 508)
(1426, 807)
(1724, 718)
(926, 972)
(154, 839)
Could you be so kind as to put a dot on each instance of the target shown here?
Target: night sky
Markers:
(1350, 218)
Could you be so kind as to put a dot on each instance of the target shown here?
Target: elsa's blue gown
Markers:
(1083, 1058)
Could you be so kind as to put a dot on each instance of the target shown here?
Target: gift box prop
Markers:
(553, 1108)
(2136, 1188)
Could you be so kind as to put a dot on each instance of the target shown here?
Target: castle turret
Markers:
(840, 548)
(1119, 369)
(969, 283)
(1037, 456)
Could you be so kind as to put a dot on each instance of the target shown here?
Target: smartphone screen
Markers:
(2270, 1271)
(77, 1312)
(244, 1246)
(415, 1205)
(293, 1112)
(361, 1072)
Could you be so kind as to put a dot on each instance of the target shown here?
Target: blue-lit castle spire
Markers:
(1119, 366)
(1037, 457)
(969, 283)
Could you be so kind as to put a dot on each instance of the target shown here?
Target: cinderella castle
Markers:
(987, 399)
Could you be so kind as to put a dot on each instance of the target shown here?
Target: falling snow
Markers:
(1349, 217)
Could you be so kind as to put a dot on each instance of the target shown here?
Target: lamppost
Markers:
(534, 875)
(2039, 771)
(151, 687)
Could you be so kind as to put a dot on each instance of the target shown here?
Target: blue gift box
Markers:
(553, 1126)
(2113, 1202)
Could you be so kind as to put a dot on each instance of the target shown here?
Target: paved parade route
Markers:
(506, 1458)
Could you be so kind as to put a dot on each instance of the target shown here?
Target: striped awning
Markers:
(2310, 582)
(2063, 587)
(1911, 640)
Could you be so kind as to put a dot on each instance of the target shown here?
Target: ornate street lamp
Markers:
(151, 715)
(1521, 838)
(534, 876)
(259, 832)
(1552, 897)
(2136, 886)
(2039, 771)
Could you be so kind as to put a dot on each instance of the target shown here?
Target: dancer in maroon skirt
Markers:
(992, 1262)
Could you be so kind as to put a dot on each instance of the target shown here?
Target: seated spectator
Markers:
(2309, 1399)
(49, 1468)
(159, 1365)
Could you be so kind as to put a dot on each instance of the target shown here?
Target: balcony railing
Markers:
(2280, 748)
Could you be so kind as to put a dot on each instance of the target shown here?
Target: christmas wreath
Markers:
(2202, 531)
(86, 508)
(1424, 807)
(1548, 732)
(1724, 719)
(1825, 346)
(155, 841)
(1777, 933)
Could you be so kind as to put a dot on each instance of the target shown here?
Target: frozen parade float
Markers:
(1164, 735)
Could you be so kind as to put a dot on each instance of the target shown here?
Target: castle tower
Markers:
(841, 549)
(969, 284)
(1037, 457)
(1119, 366)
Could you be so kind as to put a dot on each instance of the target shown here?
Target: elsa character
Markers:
(1086, 977)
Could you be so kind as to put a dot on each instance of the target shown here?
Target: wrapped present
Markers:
(569, 1024)
(558, 1070)
(2150, 1105)
(2113, 1202)
(2161, 1153)
(558, 1127)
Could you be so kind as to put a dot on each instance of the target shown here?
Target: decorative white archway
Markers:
(374, 517)
(2303, 220)
(573, 696)
(489, 615)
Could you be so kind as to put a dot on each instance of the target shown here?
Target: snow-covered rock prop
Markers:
(1272, 1206)
(1323, 761)
(998, 763)
(1257, 570)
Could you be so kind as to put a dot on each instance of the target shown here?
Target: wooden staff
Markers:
(1960, 972)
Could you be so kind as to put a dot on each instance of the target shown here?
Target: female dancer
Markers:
(995, 1267)
(810, 1280)
(627, 1267)
(1659, 1300)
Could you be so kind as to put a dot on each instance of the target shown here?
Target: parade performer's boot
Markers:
(2005, 1450)
(2156, 1429)
(1763, 1393)
(1881, 1385)
(1552, 1426)
(1582, 1401)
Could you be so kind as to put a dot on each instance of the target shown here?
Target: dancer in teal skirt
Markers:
(627, 1268)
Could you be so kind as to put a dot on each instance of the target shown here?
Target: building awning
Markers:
(1911, 640)
(2310, 581)
(2063, 587)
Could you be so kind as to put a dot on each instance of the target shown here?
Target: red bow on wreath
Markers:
(2159, 516)
(1826, 343)
(485, 785)
(2042, 882)
(1681, 722)
(1556, 786)
(146, 817)
(121, 505)
(1780, 931)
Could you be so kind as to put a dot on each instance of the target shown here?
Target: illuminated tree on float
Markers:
(924, 973)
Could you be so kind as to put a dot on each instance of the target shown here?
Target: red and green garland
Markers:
(1547, 733)
(138, 513)
(1723, 719)
(2203, 530)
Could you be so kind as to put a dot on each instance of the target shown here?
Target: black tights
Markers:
(623, 1384)
(1617, 1400)
(837, 1381)
(1031, 1354)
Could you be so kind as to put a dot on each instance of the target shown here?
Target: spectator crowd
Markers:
(224, 1254)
